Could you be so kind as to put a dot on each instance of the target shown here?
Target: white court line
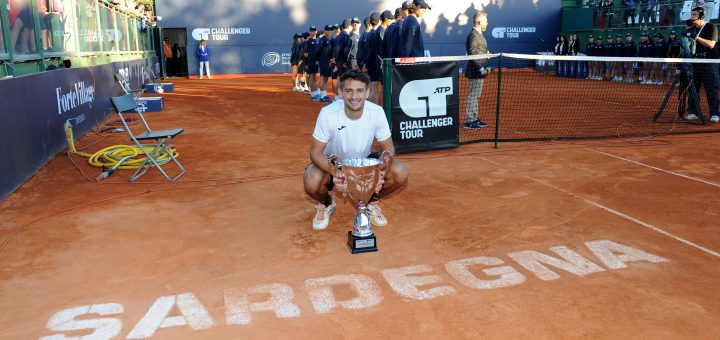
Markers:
(658, 169)
(615, 212)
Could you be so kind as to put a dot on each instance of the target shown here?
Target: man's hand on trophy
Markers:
(380, 183)
(340, 184)
(387, 158)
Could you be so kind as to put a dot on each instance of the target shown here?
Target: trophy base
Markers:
(358, 244)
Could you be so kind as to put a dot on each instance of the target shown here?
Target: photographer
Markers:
(705, 75)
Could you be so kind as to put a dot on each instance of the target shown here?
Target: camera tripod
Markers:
(683, 81)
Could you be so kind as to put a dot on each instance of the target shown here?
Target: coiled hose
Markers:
(111, 158)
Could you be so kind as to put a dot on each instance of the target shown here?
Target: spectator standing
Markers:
(561, 48)
(203, 54)
(178, 56)
(629, 13)
(168, 55)
(645, 13)
(607, 11)
(573, 45)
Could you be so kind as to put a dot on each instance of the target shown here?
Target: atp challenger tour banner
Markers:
(425, 106)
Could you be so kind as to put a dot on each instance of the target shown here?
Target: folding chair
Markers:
(136, 93)
(163, 138)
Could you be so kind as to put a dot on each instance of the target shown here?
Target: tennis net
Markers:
(541, 97)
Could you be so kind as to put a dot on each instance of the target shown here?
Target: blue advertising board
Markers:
(256, 36)
(36, 107)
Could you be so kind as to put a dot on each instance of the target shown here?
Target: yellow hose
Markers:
(123, 155)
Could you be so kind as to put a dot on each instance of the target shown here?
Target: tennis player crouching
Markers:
(346, 128)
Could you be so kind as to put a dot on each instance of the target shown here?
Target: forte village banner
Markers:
(425, 106)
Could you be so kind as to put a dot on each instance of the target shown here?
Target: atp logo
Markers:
(499, 32)
(426, 98)
(270, 59)
(201, 34)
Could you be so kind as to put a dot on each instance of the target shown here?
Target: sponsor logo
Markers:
(427, 100)
(342, 127)
(79, 94)
(218, 33)
(511, 32)
(270, 59)
(426, 97)
(473, 276)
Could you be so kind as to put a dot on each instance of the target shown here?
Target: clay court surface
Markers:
(586, 239)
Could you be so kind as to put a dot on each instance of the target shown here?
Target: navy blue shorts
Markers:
(325, 70)
(312, 68)
(375, 75)
(340, 71)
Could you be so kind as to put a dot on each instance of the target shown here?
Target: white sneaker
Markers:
(715, 119)
(201, 78)
(376, 216)
(691, 117)
(209, 77)
(322, 216)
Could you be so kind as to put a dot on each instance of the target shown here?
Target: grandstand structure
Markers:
(586, 17)
(38, 35)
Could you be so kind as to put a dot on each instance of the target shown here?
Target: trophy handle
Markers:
(335, 166)
(387, 158)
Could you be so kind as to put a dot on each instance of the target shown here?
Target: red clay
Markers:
(239, 219)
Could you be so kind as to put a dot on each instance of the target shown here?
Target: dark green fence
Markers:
(39, 33)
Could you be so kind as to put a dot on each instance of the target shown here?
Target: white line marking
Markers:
(658, 169)
(617, 213)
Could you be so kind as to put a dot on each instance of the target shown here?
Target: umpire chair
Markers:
(159, 153)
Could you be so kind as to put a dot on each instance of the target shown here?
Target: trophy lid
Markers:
(360, 162)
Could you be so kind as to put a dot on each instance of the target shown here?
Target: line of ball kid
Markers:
(319, 57)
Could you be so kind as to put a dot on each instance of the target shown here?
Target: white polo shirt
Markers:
(350, 138)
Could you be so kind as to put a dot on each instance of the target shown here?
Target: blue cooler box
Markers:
(167, 87)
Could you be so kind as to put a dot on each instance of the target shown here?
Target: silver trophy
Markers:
(362, 176)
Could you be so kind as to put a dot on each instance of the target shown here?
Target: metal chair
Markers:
(153, 79)
(157, 154)
(136, 93)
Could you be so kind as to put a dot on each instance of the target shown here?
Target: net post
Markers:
(387, 89)
(497, 103)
